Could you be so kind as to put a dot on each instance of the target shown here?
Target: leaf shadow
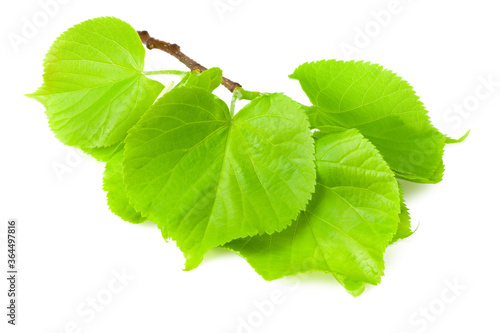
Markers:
(216, 253)
(411, 189)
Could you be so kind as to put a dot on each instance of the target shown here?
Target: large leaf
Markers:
(382, 106)
(113, 183)
(207, 179)
(94, 90)
(346, 227)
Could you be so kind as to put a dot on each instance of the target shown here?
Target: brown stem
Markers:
(175, 50)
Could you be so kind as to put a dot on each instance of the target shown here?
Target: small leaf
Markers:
(383, 107)
(94, 90)
(346, 227)
(207, 179)
(208, 80)
(118, 201)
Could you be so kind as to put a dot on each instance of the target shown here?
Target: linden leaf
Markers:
(383, 107)
(346, 227)
(208, 80)
(118, 200)
(207, 179)
(94, 90)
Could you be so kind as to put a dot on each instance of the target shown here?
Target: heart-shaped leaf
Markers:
(382, 106)
(207, 179)
(93, 87)
(346, 227)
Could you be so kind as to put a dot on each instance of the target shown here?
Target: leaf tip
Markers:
(35, 95)
(449, 140)
(192, 262)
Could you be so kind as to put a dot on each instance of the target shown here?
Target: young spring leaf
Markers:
(208, 80)
(94, 90)
(382, 106)
(118, 201)
(207, 179)
(346, 227)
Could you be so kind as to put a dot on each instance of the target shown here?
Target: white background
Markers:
(71, 246)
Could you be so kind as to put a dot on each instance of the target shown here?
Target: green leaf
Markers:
(382, 106)
(207, 179)
(94, 90)
(118, 201)
(208, 80)
(346, 227)
(104, 154)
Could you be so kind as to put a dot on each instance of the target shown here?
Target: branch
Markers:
(175, 50)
